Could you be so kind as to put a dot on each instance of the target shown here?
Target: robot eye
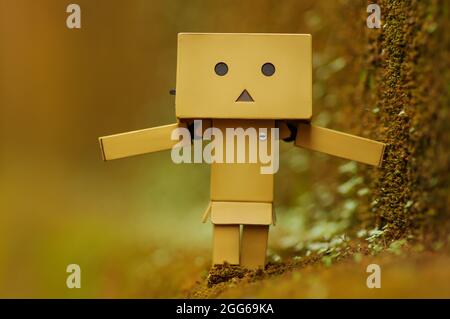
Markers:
(268, 69)
(221, 68)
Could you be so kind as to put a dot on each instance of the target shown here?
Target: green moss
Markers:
(406, 60)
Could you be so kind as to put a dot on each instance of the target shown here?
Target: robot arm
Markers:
(138, 142)
(340, 144)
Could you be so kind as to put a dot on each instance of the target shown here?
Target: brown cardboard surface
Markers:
(245, 213)
(226, 244)
(201, 93)
(340, 144)
(138, 142)
(241, 181)
(207, 213)
(254, 246)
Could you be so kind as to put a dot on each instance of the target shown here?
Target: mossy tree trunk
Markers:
(404, 88)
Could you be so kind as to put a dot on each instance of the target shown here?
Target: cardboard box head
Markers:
(245, 76)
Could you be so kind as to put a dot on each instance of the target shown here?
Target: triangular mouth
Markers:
(245, 97)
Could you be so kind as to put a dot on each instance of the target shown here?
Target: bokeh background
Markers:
(133, 225)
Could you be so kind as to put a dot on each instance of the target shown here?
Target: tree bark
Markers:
(404, 87)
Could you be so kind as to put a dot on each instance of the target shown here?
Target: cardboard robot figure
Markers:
(244, 80)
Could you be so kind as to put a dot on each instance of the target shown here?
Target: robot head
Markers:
(244, 76)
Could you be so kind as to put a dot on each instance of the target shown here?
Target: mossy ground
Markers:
(408, 271)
